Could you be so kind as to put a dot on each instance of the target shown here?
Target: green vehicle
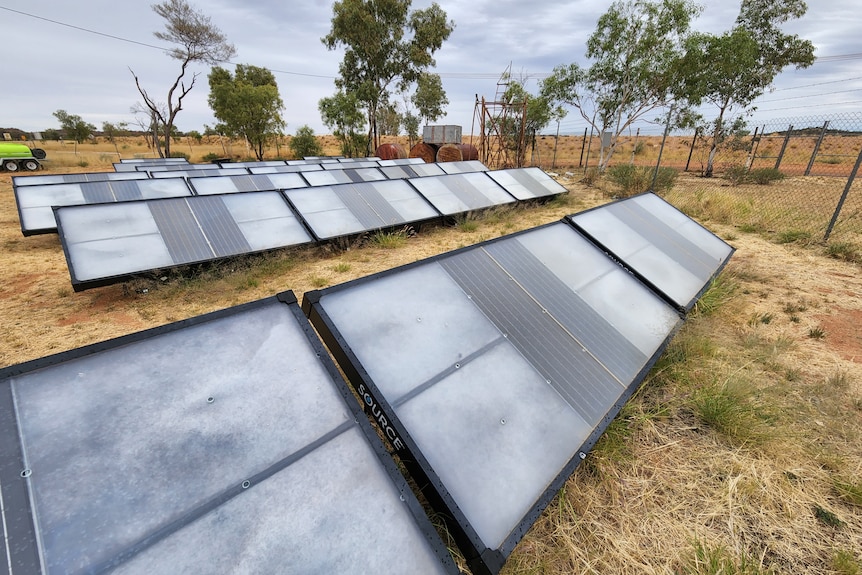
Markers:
(15, 157)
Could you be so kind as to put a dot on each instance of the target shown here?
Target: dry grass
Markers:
(766, 481)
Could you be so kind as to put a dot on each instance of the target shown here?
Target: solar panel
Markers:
(226, 442)
(39, 180)
(175, 167)
(494, 369)
(261, 164)
(353, 163)
(527, 183)
(35, 202)
(346, 209)
(342, 176)
(407, 171)
(354, 160)
(286, 169)
(460, 193)
(463, 166)
(200, 173)
(107, 243)
(129, 164)
(400, 161)
(669, 250)
(247, 183)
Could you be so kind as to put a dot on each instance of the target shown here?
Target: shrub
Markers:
(633, 180)
(591, 177)
(305, 144)
(211, 157)
(180, 155)
(736, 174)
(764, 176)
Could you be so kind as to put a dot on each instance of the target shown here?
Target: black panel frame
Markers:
(481, 559)
(21, 538)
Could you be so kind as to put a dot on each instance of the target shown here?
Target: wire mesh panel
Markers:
(224, 442)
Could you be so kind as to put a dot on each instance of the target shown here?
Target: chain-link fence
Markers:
(796, 178)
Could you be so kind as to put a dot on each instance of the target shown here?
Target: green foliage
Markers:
(342, 113)
(304, 143)
(846, 251)
(764, 176)
(211, 157)
(722, 289)
(195, 135)
(176, 154)
(388, 121)
(816, 332)
(827, 517)
(390, 240)
(845, 563)
(720, 561)
(633, 180)
(429, 97)
(74, 126)
(411, 125)
(736, 174)
(731, 70)
(726, 407)
(793, 236)
(247, 104)
(636, 50)
(384, 44)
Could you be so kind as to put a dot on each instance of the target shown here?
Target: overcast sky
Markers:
(76, 56)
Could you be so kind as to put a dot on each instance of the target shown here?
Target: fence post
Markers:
(691, 151)
(843, 197)
(755, 143)
(816, 148)
(783, 147)
(661, 149)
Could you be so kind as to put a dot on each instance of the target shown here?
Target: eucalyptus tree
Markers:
(636, 52)
(247, 103)
(74, 126)
(386, 45)
(732, 69)
(196, 39)
(430, 97)
(343, 114)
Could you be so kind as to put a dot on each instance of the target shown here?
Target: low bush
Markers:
(764, 176)
(632, 180)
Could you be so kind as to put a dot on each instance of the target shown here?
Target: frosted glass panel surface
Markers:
(164, 188)
(462, 167)
(313, 517)
(201, 173)
(163, 426)
(23, 181)
(656, 240)
(286, 181)
(326, 177)
(106, 221)
(99, 259)
(459, 193)
(324, 212)
(489, 352)
(527, 183)
(422, 313)
(286, 169)
(489, 418)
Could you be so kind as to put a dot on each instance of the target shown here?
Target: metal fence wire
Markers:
(795, 177)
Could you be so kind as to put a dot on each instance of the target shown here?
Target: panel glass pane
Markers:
(462, 167)
(486, 353)
(527, 183)
(656, 240)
